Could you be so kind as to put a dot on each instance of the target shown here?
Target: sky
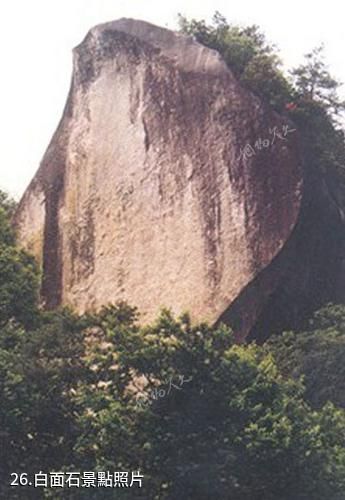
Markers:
(37, 37)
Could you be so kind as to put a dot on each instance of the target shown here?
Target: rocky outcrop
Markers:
(165, 184)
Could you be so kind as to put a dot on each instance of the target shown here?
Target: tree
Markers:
(246, 52)
(20, 282)
(19, 276)
(317, 354)
(7, 203)
(7, 207)
(203, 417)
(197, 414)
(39, 370)
(314, 83)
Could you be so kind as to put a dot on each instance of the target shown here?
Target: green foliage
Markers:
(314, 83)
(7, 203)
(263, 76)
(7, 207)
(19, 286)
(248, 55)
(312, 91)
(6, 232)
(199, 415)
(19, 276)
(256, 63)
(316, 116)
(38, 372)
(317, 354)
(229, 425)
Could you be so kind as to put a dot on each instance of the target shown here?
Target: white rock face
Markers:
(145, 194)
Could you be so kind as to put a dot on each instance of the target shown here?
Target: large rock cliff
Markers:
(165, 184)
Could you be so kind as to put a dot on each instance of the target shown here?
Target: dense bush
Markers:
(19, 276)
(196, 413)
(318, 354)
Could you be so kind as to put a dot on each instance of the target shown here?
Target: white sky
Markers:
(36, 38)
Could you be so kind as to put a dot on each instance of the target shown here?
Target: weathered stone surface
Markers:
(144, 193)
